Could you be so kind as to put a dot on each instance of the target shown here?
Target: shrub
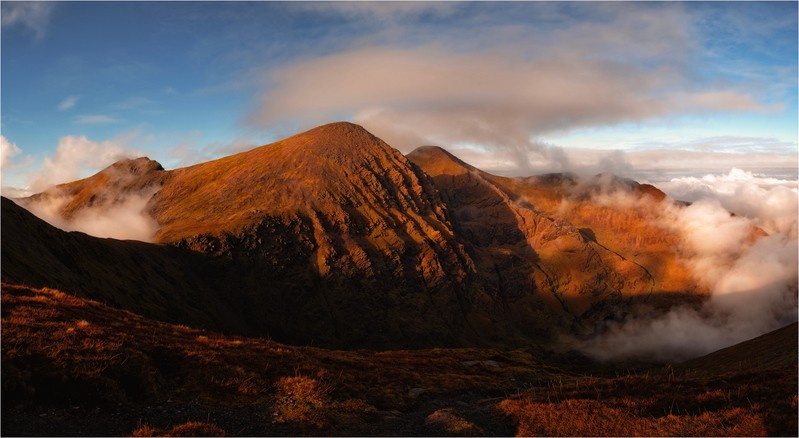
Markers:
(301, 399)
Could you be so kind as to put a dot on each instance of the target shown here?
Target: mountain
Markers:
(332, 237)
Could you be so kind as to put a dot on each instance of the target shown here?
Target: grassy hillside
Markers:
(77, 367)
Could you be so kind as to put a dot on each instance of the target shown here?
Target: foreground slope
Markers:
(77, 367)
(749, 389)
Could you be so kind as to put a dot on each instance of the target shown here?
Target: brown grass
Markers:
(59, 351)
(301, 399)
(113, 365)
(662, 404)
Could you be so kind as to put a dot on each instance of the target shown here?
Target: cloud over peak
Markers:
(605, 66)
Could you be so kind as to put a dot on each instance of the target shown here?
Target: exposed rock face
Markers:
(334, 238)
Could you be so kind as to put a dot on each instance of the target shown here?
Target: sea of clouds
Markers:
(753, 281)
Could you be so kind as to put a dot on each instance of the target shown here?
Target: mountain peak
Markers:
(136, 166)
(438, 160)
(339, 128)
(338, 136)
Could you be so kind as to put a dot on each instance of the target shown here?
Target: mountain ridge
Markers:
(333, 236)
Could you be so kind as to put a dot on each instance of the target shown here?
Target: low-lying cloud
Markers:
(753, 281)
(126, 218)
(771, 203)
(114, 212)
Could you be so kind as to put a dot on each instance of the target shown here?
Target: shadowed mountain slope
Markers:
(160, 282)
(772, 350)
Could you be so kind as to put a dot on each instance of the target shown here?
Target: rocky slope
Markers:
(520, 249)
(333, 237)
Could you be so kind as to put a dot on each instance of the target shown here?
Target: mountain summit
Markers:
(333, 237)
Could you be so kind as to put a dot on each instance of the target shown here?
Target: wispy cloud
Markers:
(132, 102)
(95, 119)
(68, 102)
(382, 11)
(34, 16)
(727, 143)
(187, 152)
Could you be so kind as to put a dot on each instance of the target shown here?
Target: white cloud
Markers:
(126, 218)
(771, 203)
(95, 119)
(32, 15)
(73, 157)
(753, 282)
(7, 151)
(68, 103)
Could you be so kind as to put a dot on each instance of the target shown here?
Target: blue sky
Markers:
(516, 88)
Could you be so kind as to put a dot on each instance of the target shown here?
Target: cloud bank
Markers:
(753, 281)
(771, 203)
(126, 218)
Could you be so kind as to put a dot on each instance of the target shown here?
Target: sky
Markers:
(645, 90)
